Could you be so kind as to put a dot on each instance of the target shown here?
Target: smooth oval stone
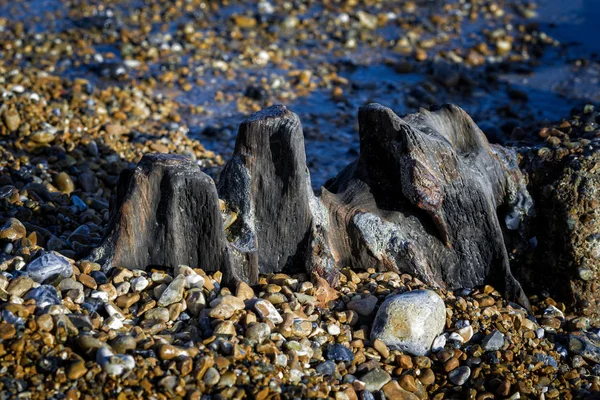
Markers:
(375, 379)
(459, 375)
(211, 377)
(410, 321)
(173, 293)
(47, 266)
(64, 183)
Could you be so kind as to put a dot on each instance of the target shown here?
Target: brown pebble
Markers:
(427, 377)
(451, 364)
(404, 361)
(7, 331)
(87, 281)
(381, 348)
(76, 370)
(64, 183)
(12, 230)
(408, 383)
(393, 390)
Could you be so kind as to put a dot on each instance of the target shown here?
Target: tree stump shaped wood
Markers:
(428, 196)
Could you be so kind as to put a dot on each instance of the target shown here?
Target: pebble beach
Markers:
(87, 88)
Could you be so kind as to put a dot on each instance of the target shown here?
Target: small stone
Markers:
(113, 323)
(465, 333)
(20, 285)
(76, 370)
(333, 329)
(326, 368)
(169, 352)
(87, 281)
(460, 375)
(407, 382)
(49, 265)
(211, 377)
(173, 293)
(45, 322)
(7, 331)
(225, 328)
(123, 343)
(88, 342)
(226, 307)
(12, 119)
(139, 284)
(451, 364)
(493, 342)
(44, 296)
(393, 390)
(158, 314)
(127, 300)
(244, 291)
(69, 284)
(323, 291)
(404, 361)
(99, 277)
(195, 301)
(410, 321)
(427, 377)
(438, 343)
(266, 311)
(227, 379)
(114, 364)
(12, 230)
(338, 352)
(64, 183)
(192, 279)
(375, 379)
(258, 332)
(301, 328)
(367, 20)
(381, 348)
(364, 306)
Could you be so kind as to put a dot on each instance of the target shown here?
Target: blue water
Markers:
(559, 82)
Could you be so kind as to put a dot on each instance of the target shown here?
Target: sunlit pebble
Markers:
(333, 329)
(18, 89)
(262, 58)
(264, 7)
(343, 18)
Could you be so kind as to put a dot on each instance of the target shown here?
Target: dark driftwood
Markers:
(166, 214)
(423, 197)
(428, 196)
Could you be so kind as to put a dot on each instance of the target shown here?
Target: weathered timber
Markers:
(267, 184)
(428, 195)
(166, 214)
(423, 198)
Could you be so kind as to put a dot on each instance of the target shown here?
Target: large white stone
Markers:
(410, 321)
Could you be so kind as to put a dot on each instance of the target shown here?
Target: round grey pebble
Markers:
(459, 375)
(211, 377)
